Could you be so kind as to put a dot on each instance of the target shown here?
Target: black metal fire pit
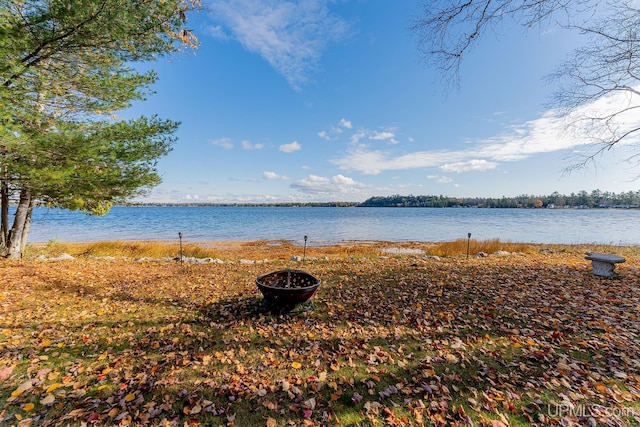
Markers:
(287, 287)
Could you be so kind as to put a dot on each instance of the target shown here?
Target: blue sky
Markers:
(331, 101)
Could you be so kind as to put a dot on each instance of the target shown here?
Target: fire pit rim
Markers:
(291, 295)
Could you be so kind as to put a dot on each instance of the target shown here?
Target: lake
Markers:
(325, 225)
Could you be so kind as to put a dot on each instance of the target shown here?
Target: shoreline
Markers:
(317, 243)
(287, 249)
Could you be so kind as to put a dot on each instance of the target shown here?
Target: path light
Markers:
(304, 251)
(180, 237)
(468, 243)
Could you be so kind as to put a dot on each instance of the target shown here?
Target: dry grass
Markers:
(460, 246)
(260, 249)
(129, 249)
(267, 249)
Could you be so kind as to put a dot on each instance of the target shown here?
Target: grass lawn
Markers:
(396, 338)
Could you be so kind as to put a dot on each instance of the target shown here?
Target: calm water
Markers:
(326, 225)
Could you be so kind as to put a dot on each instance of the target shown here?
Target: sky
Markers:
(331, 100)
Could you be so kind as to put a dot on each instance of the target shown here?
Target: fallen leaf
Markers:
(5, 372)
(53, 387)
(27, 385)
(49, 399)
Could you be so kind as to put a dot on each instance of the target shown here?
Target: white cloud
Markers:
(344, 181)
(440, 179)
(249, 146)
(290, 148)
(312, 184)
(373, 162)
(336, 130)
(384, 136)
(222, 142)
(471, 165)
(338, 184)
(356, 137)
(345, 123)
(381, 136)
(274, 176)
(290, 35)
(217, 32)
(551, 132)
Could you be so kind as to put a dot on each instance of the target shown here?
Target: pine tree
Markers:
(67, 67)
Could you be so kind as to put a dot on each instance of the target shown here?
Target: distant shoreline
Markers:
(354, 205)
(582, 200)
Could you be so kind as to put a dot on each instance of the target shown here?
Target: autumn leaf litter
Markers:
(398, 340)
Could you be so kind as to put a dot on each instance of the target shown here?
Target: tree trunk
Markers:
(20, 227)
(4, 213)
(26, 228)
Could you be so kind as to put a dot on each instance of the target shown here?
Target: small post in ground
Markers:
(180, 237)
(468, 243)
(304, 250)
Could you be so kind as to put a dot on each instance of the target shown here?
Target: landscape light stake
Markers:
(180, 237)
(304, 251)
(468, 243)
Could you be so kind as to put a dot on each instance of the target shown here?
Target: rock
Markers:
(502, 253)
(106, 258)
(296, 258)
(148, 259)
(482, 255)
(404, 251)
(246, 261)
(63, 257)
(194, 260)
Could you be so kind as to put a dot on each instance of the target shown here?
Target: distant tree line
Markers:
(270, 204)
(582, 199)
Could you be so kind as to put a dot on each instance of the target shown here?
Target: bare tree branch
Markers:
(447, 30)
(602, 72)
